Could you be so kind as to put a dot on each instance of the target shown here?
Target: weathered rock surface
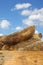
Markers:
(24, 40)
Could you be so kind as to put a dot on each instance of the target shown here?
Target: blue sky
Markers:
(18, 14)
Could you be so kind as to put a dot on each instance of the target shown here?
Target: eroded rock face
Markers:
(24, 40)
(37, 36)
(18, 37)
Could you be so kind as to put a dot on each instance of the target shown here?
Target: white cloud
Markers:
(29, 12)
(36, 32)
(1, 34)
(4, 24)
(26, 12)
(41, 17)
(32, 12)
(28, 22)
(21, 6)
(31, 21)
(35, 17)
(19, 28)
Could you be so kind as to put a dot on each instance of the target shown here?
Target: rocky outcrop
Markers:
(12, 39)
(24, 40)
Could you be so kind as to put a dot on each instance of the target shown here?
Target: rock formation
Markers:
(24, 40)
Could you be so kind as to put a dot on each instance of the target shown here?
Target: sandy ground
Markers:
(21, 58)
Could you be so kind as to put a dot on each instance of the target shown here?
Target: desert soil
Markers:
(21, 58)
